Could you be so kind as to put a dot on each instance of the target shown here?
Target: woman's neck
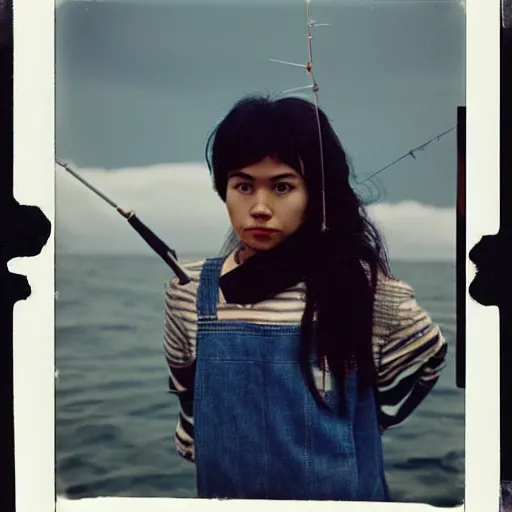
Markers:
(242, 253)
(237, 257)
(266, 274)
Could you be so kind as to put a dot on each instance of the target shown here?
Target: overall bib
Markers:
(259, 434)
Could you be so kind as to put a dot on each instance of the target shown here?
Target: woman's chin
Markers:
(261, 245)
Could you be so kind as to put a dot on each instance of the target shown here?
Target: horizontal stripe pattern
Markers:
(408, 347)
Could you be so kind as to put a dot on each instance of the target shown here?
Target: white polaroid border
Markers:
(483, 210)
(34, 382)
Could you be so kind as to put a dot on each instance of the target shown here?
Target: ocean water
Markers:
(115, 420)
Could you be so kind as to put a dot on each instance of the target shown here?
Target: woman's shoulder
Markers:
(193, 268)
(395, 303)
(392, 288)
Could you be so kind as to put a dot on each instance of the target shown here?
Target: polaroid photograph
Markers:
(250, 290)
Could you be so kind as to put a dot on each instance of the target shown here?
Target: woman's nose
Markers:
(261, 207)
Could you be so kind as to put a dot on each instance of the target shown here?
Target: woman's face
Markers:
(266, 203)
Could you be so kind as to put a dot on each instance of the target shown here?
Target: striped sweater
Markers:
(408, 347)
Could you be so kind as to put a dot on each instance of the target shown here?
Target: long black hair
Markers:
(342, 277)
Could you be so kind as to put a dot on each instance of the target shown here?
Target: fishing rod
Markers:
(165, 252)
(308, 66)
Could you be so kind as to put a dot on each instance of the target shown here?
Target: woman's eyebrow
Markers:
(240, 174)
(245, 176)
(283, 176)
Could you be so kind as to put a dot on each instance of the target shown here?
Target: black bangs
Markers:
(255, 128)
(287, 130)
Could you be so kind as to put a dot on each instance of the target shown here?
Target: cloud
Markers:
(415, 231)
(177, 201)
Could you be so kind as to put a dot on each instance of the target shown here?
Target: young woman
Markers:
(296, 349)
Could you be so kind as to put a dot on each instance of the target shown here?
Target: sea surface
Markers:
(115, 419)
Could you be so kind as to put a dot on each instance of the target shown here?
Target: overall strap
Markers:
(208, 290)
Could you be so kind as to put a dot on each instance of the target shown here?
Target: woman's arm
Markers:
(178, 355)
(412, 353)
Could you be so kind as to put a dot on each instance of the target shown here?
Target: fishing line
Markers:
(310, 23)
(410, 153)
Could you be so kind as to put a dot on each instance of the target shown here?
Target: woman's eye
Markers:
(244, 187)
(282, 188)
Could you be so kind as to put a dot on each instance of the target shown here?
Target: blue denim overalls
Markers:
(259, 434)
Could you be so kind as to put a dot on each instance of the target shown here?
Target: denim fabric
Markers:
(259, 434)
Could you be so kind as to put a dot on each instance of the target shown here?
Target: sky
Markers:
(139, 86)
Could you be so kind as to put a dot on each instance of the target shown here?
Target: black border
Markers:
(505, 237)
(460, 344)
(25, 230)
(504, 288)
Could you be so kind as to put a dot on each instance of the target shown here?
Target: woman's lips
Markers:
(261, 232)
